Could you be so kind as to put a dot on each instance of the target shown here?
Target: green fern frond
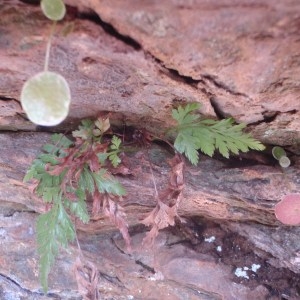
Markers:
(79, 209)
(106, 183)
(54, 229)
(186, 143)
(194, 134)
(114, 151)
(85, 130)
(183, 115)
(61, 141)
(86, 181)
(66, 193)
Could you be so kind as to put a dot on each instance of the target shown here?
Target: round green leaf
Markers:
(278, 152)
(46, 98)
(53, 9)
(284, 161)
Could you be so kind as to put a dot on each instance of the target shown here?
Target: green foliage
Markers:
(46, 98)
(64, 174)
(115, 150)
(85, 130)
(54, 10)
(195, 134)
(67, 171)
(106, 183)
(54, 229)
(280, 154)
(86, 181)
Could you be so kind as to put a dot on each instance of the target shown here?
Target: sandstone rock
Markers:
(104, 73)
(243, 55)
(229, 54)
(216, 190)
(163, 272)
(238, 60)
(278, 241)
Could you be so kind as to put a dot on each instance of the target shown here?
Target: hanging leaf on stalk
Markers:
(46, 98)
(54, 10)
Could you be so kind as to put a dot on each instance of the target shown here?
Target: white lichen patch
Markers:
(219, 248)
(239, 272)
(210, 239)
(242, 272)
(255, 267)
(156, 276)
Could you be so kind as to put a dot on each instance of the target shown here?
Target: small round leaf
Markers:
(278, 152)
(46, 98)
(53, 9)
(284, 161)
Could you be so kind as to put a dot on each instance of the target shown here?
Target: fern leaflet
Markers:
(54, 229)
(195, 134)
(114, 151)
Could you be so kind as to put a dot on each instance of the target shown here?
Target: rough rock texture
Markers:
(215, 189)
(240, 58)
(104, 73)
(244, 55)
(237, 58)
(167, 271)
(219, 191)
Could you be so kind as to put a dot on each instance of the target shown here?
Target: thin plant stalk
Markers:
(49, 46)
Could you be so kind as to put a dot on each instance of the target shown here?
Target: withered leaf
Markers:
(87, 278)
(165, 212)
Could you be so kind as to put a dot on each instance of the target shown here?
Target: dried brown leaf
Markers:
(116, 214)
(87, 277)
(121, 170)
(94, 162)
(165, 212)
(113, 210)
(176, 180)
(97, 204)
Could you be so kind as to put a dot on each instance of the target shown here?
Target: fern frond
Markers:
(194, 134)
(114, 151)
(79, 209)
(65, 173)
(54, 229)
(61, 141)
(183, 115)
(86, 181)
(106, 183)
(186, 143)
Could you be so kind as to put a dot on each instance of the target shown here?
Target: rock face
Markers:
(244, 56)
(146, 274)
(104, 73)
(236, 59)
(240, 60)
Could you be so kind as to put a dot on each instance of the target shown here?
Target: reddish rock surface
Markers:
(104, 73)
(219, 191)
(237, 58)
(244, 54)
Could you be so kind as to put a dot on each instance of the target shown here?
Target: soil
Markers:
(207, 237)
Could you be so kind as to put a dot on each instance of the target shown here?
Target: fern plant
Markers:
(69, 170)
(64, 174)
(194, 133)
